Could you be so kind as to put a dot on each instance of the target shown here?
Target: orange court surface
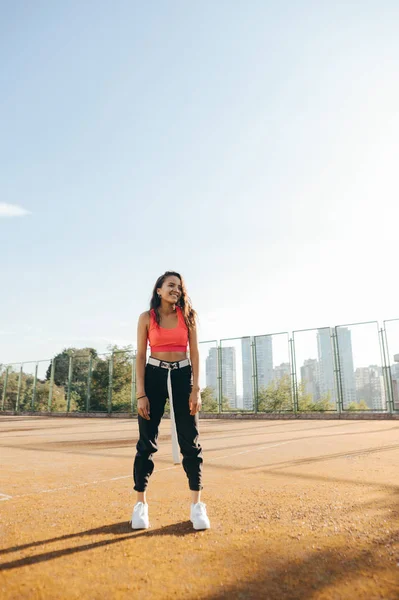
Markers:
(299, 509)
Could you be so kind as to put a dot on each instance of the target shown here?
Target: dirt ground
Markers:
(299, 510)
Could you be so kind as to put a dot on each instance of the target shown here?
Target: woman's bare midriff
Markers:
(169, 356)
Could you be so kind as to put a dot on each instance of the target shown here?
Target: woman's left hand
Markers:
(195, 402)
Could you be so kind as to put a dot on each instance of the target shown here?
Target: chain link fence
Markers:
(347, 368)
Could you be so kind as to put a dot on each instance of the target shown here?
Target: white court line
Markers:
(248, 451)
(5, 497)
(76, 485)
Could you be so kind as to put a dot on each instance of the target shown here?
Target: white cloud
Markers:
(12, 210)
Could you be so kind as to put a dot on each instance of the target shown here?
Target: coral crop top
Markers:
(168, 340)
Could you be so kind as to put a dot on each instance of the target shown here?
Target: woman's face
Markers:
(171, 290)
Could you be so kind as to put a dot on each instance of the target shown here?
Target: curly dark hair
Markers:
(184, 302)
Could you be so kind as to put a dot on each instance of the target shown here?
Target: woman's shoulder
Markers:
(145, 317)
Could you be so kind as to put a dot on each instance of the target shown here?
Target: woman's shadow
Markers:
(177, 529)
(121, 530)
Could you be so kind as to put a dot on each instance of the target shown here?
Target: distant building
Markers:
(229, 375)
(395, 381)
(264, 360)
(281, 371)
(363, 391)
(247, 380)
(395, 390)
(228, 372)
(370, 387)
(310, 378)
(348, 384)
(211, 368)
(327, 384)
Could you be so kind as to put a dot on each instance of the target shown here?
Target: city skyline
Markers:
(360, 383)
(315, 368)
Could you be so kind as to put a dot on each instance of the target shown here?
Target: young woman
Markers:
(169, 326)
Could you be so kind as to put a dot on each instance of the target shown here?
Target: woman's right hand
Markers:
(143, 408)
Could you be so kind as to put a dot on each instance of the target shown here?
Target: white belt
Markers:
(170, 366)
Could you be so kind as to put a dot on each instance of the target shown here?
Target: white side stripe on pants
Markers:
(175, 445)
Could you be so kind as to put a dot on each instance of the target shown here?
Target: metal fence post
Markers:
(88, 395)
(111, 371)
(386, 369)
(219, 376)
(337, 370)
(390, 393)
(34, 390)
(70, 368)
(3, 401)
(50, 392)
(19, 388)
(294, 384)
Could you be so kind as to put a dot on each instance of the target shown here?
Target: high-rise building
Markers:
(395, 371)
(264, 360)
(310, 378)
(228, 360)
(348, 384)
(362, 379)
(246, 353)
(395, 391)
(395, 381)
(229, 386)
(327, 385)
(282, 370)
(382, 401)
(370, 387)
(211, 368)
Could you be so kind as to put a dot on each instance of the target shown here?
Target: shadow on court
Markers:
(298, 579)
(122, 530)
(305, 579)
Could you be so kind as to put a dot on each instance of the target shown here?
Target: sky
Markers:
(250, 146)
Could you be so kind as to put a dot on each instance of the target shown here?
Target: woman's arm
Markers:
(195, 398)
(142, 335)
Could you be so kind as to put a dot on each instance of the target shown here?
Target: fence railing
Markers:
(342, 368)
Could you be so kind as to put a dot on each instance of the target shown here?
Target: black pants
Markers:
(187, 426)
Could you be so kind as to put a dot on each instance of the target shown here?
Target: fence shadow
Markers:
(307, 578)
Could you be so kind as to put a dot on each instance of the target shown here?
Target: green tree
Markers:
(306, 403)
(80, 360)
(9, 376)
(122, 365)
(25, 383)
(276, 396)
(80, 373)
(363, 405)
(210, 402)
(121, 378)
(353, 406)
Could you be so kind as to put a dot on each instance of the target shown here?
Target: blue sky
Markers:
(251, 146)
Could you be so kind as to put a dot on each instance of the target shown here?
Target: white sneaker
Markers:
(198, 516)
(140, 516)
